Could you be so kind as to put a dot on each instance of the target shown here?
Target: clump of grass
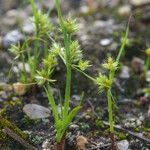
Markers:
(43, 28)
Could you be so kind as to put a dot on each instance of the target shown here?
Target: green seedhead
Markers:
(43, 29)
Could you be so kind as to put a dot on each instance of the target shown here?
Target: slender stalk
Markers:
(37, 36)
(68, 61)
(110, 111)
(24, 68)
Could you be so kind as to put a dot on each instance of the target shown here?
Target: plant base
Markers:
(112, 138)
(61, 144)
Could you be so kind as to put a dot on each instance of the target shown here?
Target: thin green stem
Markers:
(52, 102)
(86, 75)
(24, 68)
(37, 36)
(110, 111)
(67, 40)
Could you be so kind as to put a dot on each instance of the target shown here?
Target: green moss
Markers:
(5, 123)
(99, 123)
(120, 135)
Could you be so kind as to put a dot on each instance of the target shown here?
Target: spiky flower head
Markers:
(83, 64)
(103, 82)
(71, 25)
(16, 50)
(55, 49)
(44, 26)
(110, 64)
(75, 51)
(147, 51)
(50, 61)
(43, 76)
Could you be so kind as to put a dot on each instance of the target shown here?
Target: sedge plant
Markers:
(71, 54)
(24, 53)
(105, 82)
(42, 28)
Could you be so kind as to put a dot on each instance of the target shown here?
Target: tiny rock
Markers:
(122, 145)
(13, 17)
(148, 76)
(105, 42)
(124, 10)
(34, 111)
(19, 88)
(76, 97)
(73, 127)
(12, 37)
(138, 2)
(125, 72)
(81, 142)
(137, 65)
(46, 145)
(28, 28)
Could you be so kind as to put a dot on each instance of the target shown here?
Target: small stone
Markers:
(105, 42)
(28, 28)
(81, 141)
(125, 72)
(46, 145)
(138, 2)
(137, 65)
(123, 145)
(27, 67)
(13, 37)
(84, 9)
(34, 111)
(87, 117)
(138, 122)
(76, 97)
(148, 76)
(20, 67)
(74, 127)
(124, 10)
(5, 87)
(13, 17)
(19, 88)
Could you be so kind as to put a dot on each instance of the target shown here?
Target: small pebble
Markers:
(105, 42)
(34, 111)
(148, 76)
(124, 10)
(19, 88)
(123, 145)
(28, 28)
(46, 145)
(76, 97)
(125, 72)
(137, 65)
(12, 37)
(74, 127)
